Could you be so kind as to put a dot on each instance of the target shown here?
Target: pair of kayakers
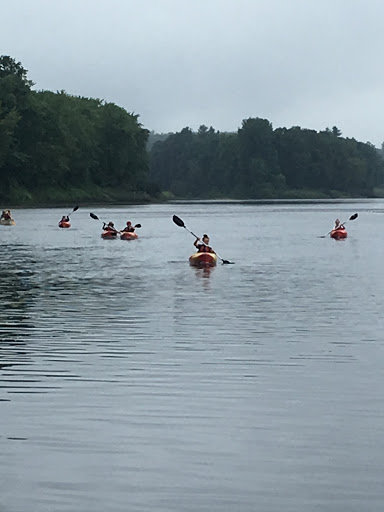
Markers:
(111, 228)
(204, 246)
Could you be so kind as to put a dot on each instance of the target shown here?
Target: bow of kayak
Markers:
(126, 235)
(7, 222)
(109, 235)
(338, 234)
(63, 224)
(203, 259)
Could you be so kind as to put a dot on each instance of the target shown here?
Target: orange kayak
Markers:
(109, 235)
(126, 235)
(339, 234)
(203, 259)
(7, 222)
(64, 224)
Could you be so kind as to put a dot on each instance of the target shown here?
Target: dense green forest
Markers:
(55, 147)
(58, 148)
(260, 162)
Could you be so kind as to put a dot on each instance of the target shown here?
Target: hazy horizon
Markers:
(211, 62)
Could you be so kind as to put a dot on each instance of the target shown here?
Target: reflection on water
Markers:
(16, 291)
(132, 381)
(203, 272)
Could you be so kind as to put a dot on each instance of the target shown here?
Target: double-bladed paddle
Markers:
(181, 224)
(352, 217)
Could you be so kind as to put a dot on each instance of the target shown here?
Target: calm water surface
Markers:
(130, 381)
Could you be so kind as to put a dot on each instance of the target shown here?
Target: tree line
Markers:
(260, 162)
(55, 147)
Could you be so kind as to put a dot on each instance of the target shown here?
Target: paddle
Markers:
(352, 217)
(181, 224)
(73, 211)
(137, 226)
(96, 218)
(104, 223)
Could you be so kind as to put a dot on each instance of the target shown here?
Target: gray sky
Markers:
(178, 63)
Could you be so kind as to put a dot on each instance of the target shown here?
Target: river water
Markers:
(130, 381)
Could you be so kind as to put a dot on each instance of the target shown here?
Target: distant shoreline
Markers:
(98, 204)
(113, 197)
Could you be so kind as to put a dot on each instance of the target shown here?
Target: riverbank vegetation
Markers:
(56, 148)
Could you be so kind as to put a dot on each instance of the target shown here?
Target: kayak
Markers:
(203, 259)
(108, 235)
(339, 234)
(7, 222)
(64, 224)
(126, 235)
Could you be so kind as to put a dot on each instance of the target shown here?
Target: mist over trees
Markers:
(260, 162)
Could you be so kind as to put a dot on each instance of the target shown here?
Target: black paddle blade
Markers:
(178, 221)
(226, 262)
(353, 217)
(137, 225)
(75, 209)
(94, 216)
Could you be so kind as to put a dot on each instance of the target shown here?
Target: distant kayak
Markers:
(64, 224)
(7, 222)
(126, 235)
(203, 259)
(339, 234)
(109, 235)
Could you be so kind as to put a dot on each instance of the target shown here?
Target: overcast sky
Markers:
(178, 63)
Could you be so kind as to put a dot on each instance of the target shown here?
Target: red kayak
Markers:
(339, 234)
(109, 235)
(203, 259)
(127, 235)
(64, 224)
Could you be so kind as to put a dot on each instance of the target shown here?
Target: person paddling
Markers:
(338, 225)
(64, 218)
(128, 228)
(6, 215)
(110, 227)
(203, 247)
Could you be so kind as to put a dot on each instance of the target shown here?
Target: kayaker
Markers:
(337, 224)
(64, 218)
(203, 247)
(6, 215)
(128, 228)
(110, 227)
